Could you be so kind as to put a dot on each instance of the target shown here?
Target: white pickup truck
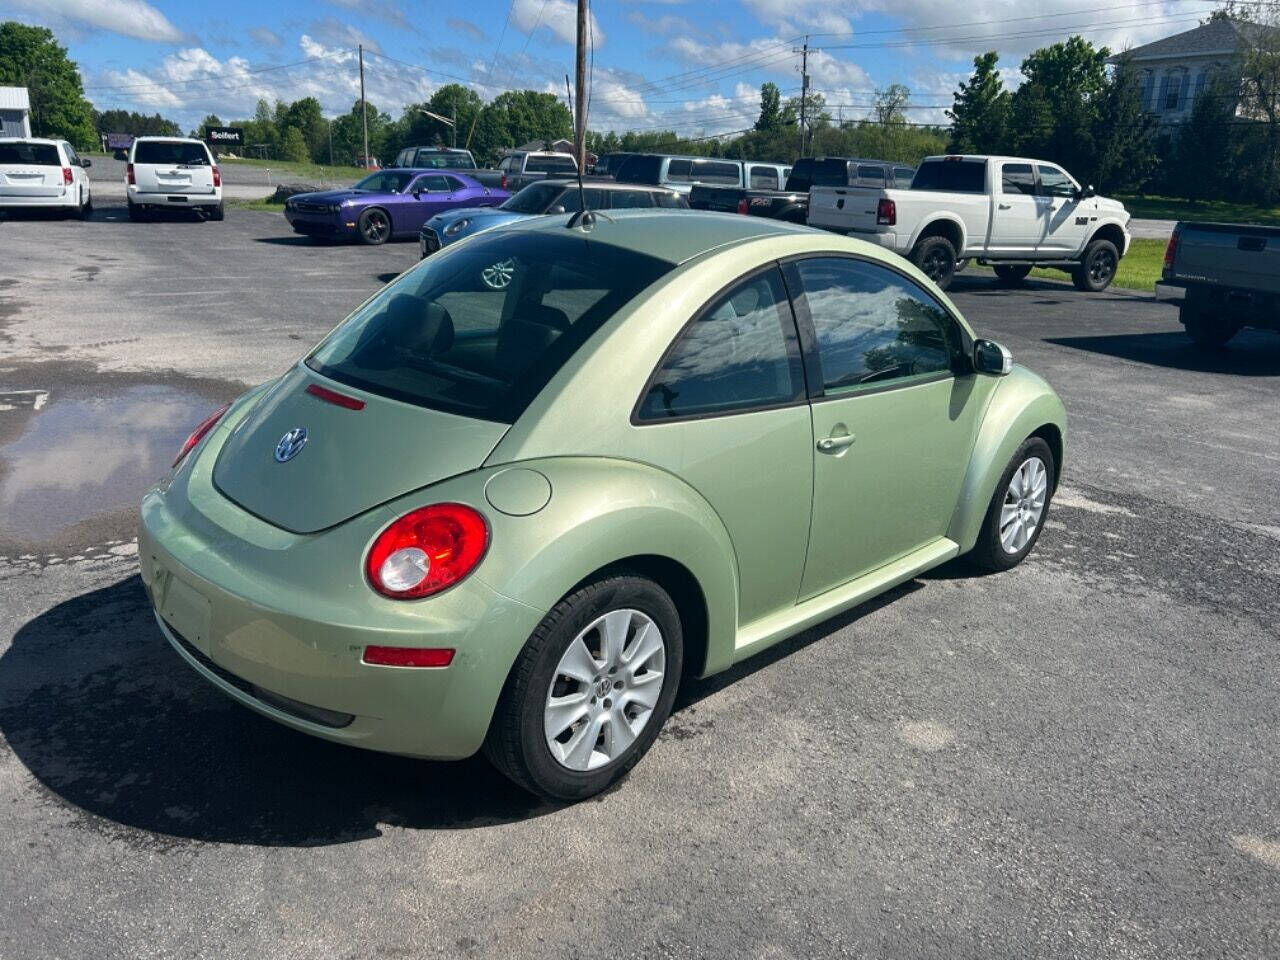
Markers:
(1009, 212)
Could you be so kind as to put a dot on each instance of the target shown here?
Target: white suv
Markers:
(172, 172)
(43, 173)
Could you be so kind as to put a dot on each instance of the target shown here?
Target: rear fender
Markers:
(1021, 404)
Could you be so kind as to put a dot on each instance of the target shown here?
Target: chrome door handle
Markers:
(831, 444)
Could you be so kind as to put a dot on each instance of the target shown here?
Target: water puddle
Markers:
(74, 463)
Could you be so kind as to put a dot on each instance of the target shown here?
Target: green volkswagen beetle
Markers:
(514, 520)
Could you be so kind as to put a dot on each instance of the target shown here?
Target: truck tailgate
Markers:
(844, 208)
(1230, 255)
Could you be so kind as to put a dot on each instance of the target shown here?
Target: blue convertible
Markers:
(546, 197)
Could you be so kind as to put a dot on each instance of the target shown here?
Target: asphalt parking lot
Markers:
(1078, 758)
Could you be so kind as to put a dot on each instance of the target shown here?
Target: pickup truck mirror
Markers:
(1084, 193)
(990, 357)
(86, 162)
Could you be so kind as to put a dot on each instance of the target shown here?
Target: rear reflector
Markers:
(742, 206)
(408, 656)
(337, 399)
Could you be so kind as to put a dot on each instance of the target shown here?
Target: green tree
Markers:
(139, 124)
(890, 104)
(30, 57)
(1054, 110)
(1260, 99)
(1124, 134)
(293, 146)
(306, 116)
(770, 107)
(519, 116)
(980, 114)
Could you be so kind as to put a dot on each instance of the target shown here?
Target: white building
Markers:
(15, 112)
(1176, 70)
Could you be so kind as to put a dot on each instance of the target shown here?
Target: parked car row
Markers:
(47, 174)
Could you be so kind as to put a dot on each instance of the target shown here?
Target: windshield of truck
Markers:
(440, 336)
(640, 169)
(809, 173)
(952, 176)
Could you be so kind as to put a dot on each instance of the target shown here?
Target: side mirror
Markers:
(86, 162)
(558, 208)
(1084, 193)
(417, 193)
(990, 357)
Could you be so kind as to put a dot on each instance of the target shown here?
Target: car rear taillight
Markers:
(198, 434)
(66, 175)
(503, 185)
(886, 212)
(408, 656)
(217, 177)
(742, 206)
(128, 175)
(426, 551)
(1171, 250)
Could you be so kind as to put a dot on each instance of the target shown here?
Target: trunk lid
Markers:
(351, 460)
(30, 170)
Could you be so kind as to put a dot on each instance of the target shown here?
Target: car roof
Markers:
(603, 183)
(655, 233)
(167, 139)
(30, 140)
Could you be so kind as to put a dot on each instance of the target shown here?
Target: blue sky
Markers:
(691, 65)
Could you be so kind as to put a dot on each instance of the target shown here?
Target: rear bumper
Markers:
(68, 198)
(152, 198)
(279, 623)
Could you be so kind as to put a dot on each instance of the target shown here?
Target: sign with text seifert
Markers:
(224, 136)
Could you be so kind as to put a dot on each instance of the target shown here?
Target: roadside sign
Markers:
(119, 141)
(224, 136)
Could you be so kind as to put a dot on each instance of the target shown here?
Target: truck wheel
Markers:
(1206, 329)
(1010, 276)
(218, 213)
(936, 258)
(1097, 267)
(135, 212)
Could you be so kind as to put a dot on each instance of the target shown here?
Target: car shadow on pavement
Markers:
(111, 722)
(986, 285)
(1251, 353)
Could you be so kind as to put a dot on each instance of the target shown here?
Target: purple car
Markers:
(386, 204)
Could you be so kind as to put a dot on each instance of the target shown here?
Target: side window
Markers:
(740, 353)
(669, 200)
(902, 177)
(432, 183)
(453, 184)
(678, 170)
(71, 154)
(1018, 178)
(1055, 183)
(867, 171)
(763, 178)
(715, 171)
(402, 158)
(874, 327)
(630, 199)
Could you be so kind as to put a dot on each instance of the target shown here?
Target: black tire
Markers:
(1206, 329)
(218, 213)
(135, 212)
(1010, 275)
(374, 226)
(86, 209)
(936, 258)
(1097, 267)
(517, 744)
(989, 553)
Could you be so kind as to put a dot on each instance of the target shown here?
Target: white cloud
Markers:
(190, 83)
(342, 34)
(558, 16)
(388, 11)
(266, 37)
(801, 16)
(129, 18)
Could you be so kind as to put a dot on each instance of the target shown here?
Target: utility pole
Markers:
(364, 109)
(580, 124)
(454, 100)
(331, 142)
(804, 86)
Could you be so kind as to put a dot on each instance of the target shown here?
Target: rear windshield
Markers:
(36, 154)
(955, 176)
(548, 164)
(448, 160)
(442, 337)
(640, 169)
(170, 151)
(829, 172)
(535, 198)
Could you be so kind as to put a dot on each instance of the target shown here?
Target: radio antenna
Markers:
(584, 217)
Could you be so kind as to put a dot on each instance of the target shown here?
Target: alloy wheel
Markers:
(1023, 506)
(497, 276)
(935, 265)
(604, 689)
(376, 227)
(1102, 267)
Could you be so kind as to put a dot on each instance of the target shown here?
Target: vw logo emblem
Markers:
(291, 444)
